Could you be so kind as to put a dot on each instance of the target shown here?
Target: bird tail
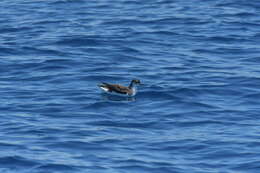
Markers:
(104, 87)
(103, 84)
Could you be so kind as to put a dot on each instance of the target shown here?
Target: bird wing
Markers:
(117, 88)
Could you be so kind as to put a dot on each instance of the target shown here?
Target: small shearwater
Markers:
(131, 90)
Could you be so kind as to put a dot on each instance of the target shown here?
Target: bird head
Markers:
(136, 81)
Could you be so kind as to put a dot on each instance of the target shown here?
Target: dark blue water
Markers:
(198, 110)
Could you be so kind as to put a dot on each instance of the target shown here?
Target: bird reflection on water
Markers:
(117, 98)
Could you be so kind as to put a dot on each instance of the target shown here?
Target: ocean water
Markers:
(196, 112)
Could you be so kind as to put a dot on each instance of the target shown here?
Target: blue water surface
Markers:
(197, 112)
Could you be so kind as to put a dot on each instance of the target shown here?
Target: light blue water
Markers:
(198, 110)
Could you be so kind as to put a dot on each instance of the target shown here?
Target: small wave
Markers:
(52, 167)
(10, 30)
(8, 51)
(205, 122)
(32, 50)
(123, 22)
(17, 161)
(246, 166)
(252, 96)
(156, 95)
(49, 22)
(80, 145)
(140, 125)
(66, 2)
(60, 61)
(79, 42)
(50, 68)
(226, 39)
(100, 78)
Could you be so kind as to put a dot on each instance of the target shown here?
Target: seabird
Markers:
(131, 90)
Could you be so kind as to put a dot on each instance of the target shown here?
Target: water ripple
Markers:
(196, 110)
